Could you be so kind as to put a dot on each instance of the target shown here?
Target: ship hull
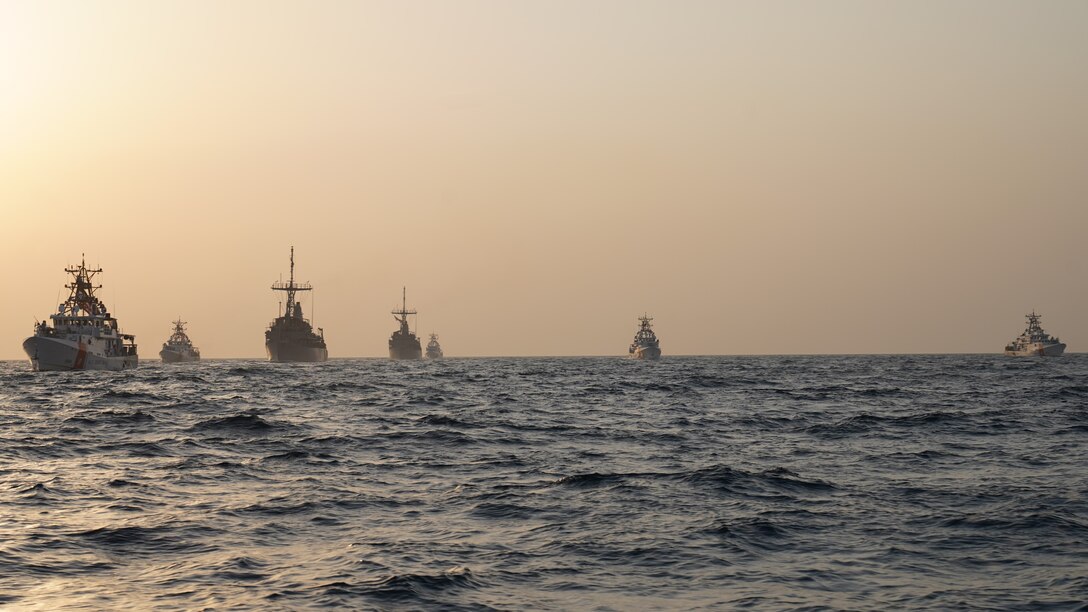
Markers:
(169, 356)
(405, 346)
(56, 354)
(406, 353)
(434, 354)
(646, 352)
(287, 351)
(1038, 349)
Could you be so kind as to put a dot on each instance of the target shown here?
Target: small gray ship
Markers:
(645, 345)
(434, 349)
(1035, 342)
(404, 344)
(83, 336)
(291, 337)
(179, 348)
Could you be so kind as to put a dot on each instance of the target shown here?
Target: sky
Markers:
(765, 177)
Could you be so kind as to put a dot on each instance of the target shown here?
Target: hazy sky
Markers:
(761, 177)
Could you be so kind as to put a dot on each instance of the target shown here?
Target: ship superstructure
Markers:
(434, 349)
(291, 337)
(179, 348)
(404, 344)
(1034, 341)
(645, 345)
(83, 336)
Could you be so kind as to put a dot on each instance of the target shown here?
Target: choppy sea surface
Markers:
(842, 482)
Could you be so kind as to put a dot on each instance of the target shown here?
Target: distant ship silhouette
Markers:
(404, 344)
(291, 337)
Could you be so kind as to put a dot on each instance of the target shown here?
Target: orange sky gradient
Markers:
(761, 177)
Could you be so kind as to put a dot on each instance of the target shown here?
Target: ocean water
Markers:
(842, 482)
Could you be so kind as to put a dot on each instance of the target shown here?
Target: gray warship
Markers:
(291, 337)
(434, 349)
(403, 344)
(83, 336)
(179, 348)
(645, 345)
(1035, 342)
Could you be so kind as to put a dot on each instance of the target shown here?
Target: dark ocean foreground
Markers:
(861, 482)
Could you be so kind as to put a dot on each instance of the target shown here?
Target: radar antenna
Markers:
(294, 309)
(402, 315)
(82, 297)
(179, 336)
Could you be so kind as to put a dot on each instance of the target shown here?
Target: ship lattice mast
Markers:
(1033, 321)
(291, 287)
(645, 330)
(179, 336)
(83, 288)
(402, 314)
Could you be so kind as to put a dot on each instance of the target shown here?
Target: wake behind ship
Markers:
(179, 348)
(404, 344)
(645, 345)
(291, 337)
(83, 336)
(1034, 341)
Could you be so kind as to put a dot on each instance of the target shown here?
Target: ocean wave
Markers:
(708, 381)
(1077, 391)
(776, 480)
(881, 392)
(128, 397)
(250, 371)
(249, 422)
(137, 449)
(592, 479)
(280, 507)
(347, 386)
(1051, 522)
(38, 491)
(110, 416)
(302, 455)
(563, 483)
(403, 588)
(722, 477)
(81, 420)
(150, 540)
(445, 420)
(871, 422)
(446, 436)
(754, 534)
(507, 511)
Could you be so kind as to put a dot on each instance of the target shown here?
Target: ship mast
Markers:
(645, 330)
(179, 335)
(1033, 322)
(402, 315)
(291, 287)
(82, 296)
